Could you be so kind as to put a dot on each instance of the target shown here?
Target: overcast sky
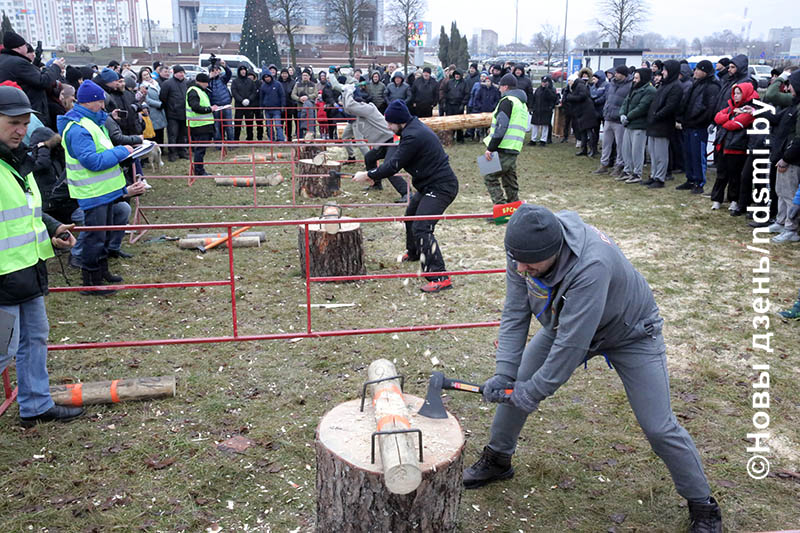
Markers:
(682, 18)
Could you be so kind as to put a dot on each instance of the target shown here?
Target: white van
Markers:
(232, 60)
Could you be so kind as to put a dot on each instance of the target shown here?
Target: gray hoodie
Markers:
(592, 301)
(369, 123)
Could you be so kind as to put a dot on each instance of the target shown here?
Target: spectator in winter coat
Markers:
(245, 97)
(544, 101)
(685, 77)
(424, 94)
(485, 100)
(613, 130)
(173, 96)
(696, 114)
(582, 109)
(474, 91)
(200, 119)
(375, 89)
(304, 93)
(154, 104)
(271, 95)
(397, 89)
(597, 91)
(788, 169)
(633, 116)
(120, 103)
(524, 83)
(219, 75)
(733, 122)
(661, 123)
(455, 96)
(472, 77)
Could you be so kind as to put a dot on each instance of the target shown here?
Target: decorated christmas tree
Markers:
(258, 39)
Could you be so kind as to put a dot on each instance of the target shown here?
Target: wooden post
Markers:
(339, 253)
(118, 390)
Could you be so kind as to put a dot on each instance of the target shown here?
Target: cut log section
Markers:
(238, 242)
(351, 494)
(333, 254)
(118, 390)
(445, 137)
(458, 122)
(315, 181)
(308, 151)
(261, 181)
(262, 157)
(262, 235)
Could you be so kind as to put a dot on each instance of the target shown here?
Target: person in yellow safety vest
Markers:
(200, 120)
(94, 179)
(506, 137)
(27, 237)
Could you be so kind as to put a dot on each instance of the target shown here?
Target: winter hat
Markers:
(645, 75)
(705, 66)
(794, 81)
(202, 77)
(725, 61)
(509, 80)
(178, 68)
(397, 113)
(14, 102)
(89, 91)
(331, 69)
(658, 64)
(533, 234)
(341, 79)
(107, 76)
(266, 74)
(427, 69)
(284, 69)
(622, 69)
(474, 65)
(307, 71)
(12, 40)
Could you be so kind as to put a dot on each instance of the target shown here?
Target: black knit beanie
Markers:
(533, 234)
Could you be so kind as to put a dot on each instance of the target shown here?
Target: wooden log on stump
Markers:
(334, 249)
(458, 122)
(315, 181)
(238, 242)
(308, 150)
(351, 494)
(118, 390)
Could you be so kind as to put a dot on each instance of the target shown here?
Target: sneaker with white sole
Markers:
(786, 236)
(634, 179)
(734, 206)
(775, 228)
(715, 206)
(623, 177)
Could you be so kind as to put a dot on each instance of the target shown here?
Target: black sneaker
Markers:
(647, 182)
(57, 413)
(119, 254)
(705, 517)
(697, 189)
(688, 186)
(492, 466)
(655, 184)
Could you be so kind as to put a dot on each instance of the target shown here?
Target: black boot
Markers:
(705, 517)
(106, 275)
(92, 278)
(492, 466)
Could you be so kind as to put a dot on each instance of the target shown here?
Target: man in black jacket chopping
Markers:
(421, 154)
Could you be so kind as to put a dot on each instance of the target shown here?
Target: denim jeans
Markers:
(274, 128)
(694, 147)
(95, 244)
(120, 215)
(226, 124)
(29, 347)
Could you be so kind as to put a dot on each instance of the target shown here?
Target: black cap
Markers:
(725, 61)
(202, 77)
(426, 69)
(178, 68)
(14, 102)
(705, 66)
(622, 69)
(533, 234)
(509, 80)
(12, 40)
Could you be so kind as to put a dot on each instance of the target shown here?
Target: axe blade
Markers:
(433, 407)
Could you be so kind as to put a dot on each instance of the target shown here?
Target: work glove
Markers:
(792, 213)
(522, 399)
(623, 119)
(495, 387)
(246, 102)
(711, 129)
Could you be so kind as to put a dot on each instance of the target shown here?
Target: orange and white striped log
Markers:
(118, 390)
(399, 453)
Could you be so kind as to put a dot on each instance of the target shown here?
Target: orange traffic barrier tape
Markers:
(396, 419)
(114, 393)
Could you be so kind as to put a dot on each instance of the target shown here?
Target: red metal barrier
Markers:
(10, 394)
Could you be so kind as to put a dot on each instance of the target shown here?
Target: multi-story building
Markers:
(783, 37)
(69, 24)
(488, 44)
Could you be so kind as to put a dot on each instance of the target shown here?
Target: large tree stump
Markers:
(315, 181)
(334, 250)
(308, 151)
(351, 494)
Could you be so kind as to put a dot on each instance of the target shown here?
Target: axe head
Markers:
(433, 406)
(334, 175)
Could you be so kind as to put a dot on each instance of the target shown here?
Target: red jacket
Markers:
(736, 124)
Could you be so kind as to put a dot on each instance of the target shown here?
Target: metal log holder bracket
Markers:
(394, 432)
(367, 383)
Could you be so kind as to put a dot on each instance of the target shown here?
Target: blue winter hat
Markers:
(397, 113)
(89, 91)
(107, 75)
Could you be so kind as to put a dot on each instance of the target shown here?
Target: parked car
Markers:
(557, 75)
(761, 73)
(193, 70)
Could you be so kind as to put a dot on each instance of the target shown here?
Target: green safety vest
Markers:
(517, 126)
(82, 182)
(23, 235)
(195, 120)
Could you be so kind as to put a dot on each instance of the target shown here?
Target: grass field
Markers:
(582, 464)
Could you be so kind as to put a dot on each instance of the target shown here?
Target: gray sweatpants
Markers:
(539, 131)
(658, 147)
(633, 151)
(642, 367)
(786, 187)
(349, 133)
(613, 132)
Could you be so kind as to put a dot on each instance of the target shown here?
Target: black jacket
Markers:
(544, 100)
(666, 103)
(525, 85)
(727, 82)
(31, 282)
(581, 106)
(456, 96)
(697, 104)
(33, 81)
(123, 100)
(173, 96)
(425, 94)
(48, 162)
(421, 154)
(288, 86)
(243, 88)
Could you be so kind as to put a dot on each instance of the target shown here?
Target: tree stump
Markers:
(315, 181)
(351, 494)
(308, 151)
(446, 137)
(334, 250)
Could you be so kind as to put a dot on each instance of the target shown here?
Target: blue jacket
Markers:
(485, 99)
(220, 95)
(80, 145)
(271, 94)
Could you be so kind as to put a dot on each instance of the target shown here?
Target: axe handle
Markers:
(454, 384)
(219, 241)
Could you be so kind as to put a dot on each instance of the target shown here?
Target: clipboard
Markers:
(489, 167)
(142, 150)
(7, 321)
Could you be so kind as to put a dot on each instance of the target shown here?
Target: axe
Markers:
(219, 241)
(433, 406)
(334, 178)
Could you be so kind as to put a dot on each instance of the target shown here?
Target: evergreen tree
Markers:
(6, 25)
(258, 39)
(455, 45)
(463, 50)
(444, 48)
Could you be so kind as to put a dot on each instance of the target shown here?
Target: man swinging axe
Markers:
(590, 300)
(421, 154)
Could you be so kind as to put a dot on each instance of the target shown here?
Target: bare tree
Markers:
(348, 19)
(401, 13)
(588, 39)
(548, 40)
(620, 18)
(697, 45)
(288, 14)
